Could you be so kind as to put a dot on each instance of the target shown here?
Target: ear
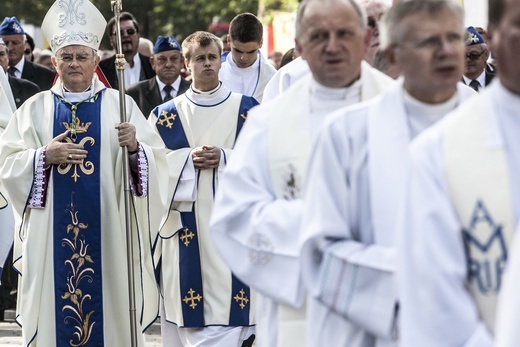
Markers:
(389, 56)
(261, 43)
(298, 47)
(493, 37)
(187, 64)
(368, 38)
(54, 62)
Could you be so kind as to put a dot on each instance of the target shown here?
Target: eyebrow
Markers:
(239, 51)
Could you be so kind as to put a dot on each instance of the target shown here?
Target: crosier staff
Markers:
(117, 6)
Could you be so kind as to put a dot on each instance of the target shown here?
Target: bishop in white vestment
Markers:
(62, 169)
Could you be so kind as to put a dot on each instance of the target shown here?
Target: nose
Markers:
(332, 43)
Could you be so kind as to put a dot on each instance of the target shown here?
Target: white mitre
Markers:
(73, 22)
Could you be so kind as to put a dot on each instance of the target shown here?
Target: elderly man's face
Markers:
(475, 63)
(16, 46)
(505, 39)
(129, 38)
(333, 42)
(431, 54)
(4, 58)
(76, 66)
(167, 65)
(375, 10)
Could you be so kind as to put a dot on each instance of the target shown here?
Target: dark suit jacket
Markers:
(147, 94)
(22, 89)
(108, 66)
(489, 77)
(38, 74)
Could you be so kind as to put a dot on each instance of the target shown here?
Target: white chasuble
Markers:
(477, 177)
(59, 300)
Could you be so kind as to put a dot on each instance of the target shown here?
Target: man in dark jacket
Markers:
(137, 67)
(167, 62)
(12, 33)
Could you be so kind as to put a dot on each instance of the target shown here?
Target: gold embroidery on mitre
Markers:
(192, 300)
(242, 299)
(79, 271)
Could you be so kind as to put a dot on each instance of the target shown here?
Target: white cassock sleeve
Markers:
(436, 307)
(256, 233)
(341, 266)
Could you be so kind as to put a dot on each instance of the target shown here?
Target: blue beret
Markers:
(166, 43)
(11, 26)
(473, 37)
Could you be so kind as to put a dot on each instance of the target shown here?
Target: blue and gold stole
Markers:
(190, 272)
(77, 230)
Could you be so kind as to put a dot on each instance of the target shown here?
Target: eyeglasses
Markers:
(80, 58)
(433, 43)
(27, 51)
(129, 32)
(475, 55)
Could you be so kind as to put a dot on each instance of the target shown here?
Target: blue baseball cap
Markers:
(11, 26)
(166, 43)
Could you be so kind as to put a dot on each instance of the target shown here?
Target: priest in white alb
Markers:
(62, 168)
(258, 207)
(462, 210)
(357, 174)
(203, 304)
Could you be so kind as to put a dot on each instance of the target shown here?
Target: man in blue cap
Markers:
(475, 74)
(167, 62)
(12, 33)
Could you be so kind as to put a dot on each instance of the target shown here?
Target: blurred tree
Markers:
(156, 17)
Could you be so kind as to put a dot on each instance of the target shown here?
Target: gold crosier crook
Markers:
(117, 6)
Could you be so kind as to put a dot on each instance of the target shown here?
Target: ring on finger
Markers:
(69, 157)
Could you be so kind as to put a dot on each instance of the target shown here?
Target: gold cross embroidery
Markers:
(242, 300)
(167, 119)
(186, 236)
(192, 298)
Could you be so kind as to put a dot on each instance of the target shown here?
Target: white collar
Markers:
(210, 98)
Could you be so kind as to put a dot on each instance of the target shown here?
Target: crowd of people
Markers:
(358, 190)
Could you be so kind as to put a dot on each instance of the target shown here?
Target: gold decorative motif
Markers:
(86, 167)
(79, 271)
(242, 299)
(244, 116)
(167, 119)
(80, 127)
(186, 236)
(190, 300)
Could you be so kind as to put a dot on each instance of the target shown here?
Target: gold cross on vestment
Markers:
(186, 236)
(192, 298)
(166, 119)
(242, 300)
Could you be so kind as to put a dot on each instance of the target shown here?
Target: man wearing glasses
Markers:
(12, 33)
(62, 169)
(475, 73)
(137, 67)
